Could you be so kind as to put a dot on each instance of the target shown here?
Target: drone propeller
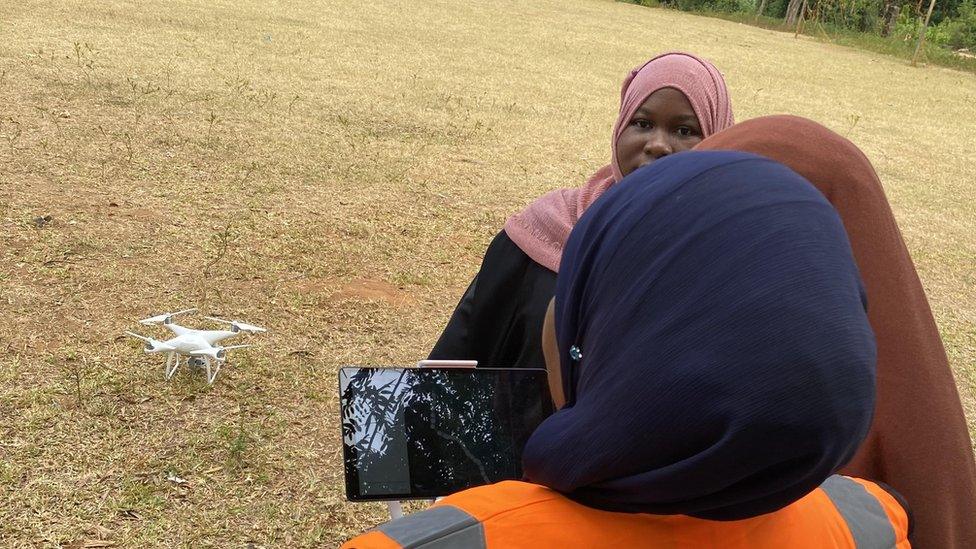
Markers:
(152, 345)
(239, 326)
(165, 317)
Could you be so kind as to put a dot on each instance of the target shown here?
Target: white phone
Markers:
(447, 364)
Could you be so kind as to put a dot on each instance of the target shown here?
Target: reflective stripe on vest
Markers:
(448, 526)
(865, 518)
(444, 527)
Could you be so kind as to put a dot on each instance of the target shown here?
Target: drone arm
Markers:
(214, 337)
(153, 346)
(176, 328)
(144, 338)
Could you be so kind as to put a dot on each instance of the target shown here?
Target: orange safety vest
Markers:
(842, 513)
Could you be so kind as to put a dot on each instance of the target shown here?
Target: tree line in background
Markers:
(952, 25)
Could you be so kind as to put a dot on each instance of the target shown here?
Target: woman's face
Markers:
(664, 124)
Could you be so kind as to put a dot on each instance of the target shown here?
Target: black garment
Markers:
(499, 320)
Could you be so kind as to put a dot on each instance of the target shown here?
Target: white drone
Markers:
(198, 346)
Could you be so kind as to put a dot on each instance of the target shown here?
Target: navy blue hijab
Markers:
(716, 355)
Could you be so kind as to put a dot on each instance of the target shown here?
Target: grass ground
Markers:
(334, 170)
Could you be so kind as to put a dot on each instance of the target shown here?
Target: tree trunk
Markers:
(799, 21)
(762, 8)
(890, 20)
(921, 35)
(793, 11)
(885, 17)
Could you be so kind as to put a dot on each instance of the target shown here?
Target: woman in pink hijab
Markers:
(667, 105)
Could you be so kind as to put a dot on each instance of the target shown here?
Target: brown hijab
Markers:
(918, 443)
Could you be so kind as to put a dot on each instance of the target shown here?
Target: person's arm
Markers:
(480, 328)
(454, 343)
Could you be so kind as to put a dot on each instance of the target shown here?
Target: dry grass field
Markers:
(333, 170)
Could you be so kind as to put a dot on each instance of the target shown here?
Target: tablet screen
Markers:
(427, 432)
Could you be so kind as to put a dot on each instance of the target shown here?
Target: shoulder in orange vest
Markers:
(842, 513)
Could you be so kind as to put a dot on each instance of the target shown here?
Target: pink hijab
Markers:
(542, 228)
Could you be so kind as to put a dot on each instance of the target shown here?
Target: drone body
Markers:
(200, 347)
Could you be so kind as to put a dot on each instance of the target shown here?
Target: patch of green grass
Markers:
(8, 473)
(141, 495)
(893, 46)
(238, 441)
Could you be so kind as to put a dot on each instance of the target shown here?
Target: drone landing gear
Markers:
(204, 362)
(211, 376)
(172, 363)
